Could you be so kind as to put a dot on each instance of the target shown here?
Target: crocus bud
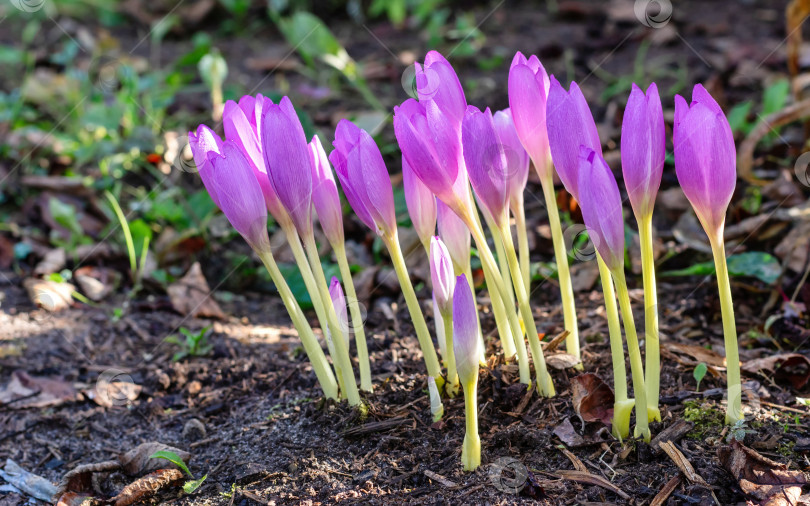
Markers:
(437, 81)
(364, 177)
(601, 206)
(705, 159)
(325, 194)
(570, 125)
(528, 93)
(240, 124)
(203, 142)
(229, 176)
(288, 161)
(517, 158)
(339, 303)
(441, 275)
(486, 162)
(431, 144)
(436, 406)
(465, 332)
(439, 324)
(454, 234)
(421, 204)
(643, 148)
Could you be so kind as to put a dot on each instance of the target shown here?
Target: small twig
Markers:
(665, 492)
(686, 467)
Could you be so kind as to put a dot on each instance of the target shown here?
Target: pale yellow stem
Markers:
(652, 351)
(357, 318)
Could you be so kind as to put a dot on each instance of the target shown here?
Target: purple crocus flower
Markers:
(288, 162)
(430, 144)
(364, 177)
(241, 126)
(705, 158)
(230, 181)
(643, 148)
(528, 93)
(517, 158)
(325, 194)
(421, 204)
(465, 332)
(441, 275)
(436, 81)
(454, 234)
(570, 125)
(601, 206)
(486, 161)
(203, 142)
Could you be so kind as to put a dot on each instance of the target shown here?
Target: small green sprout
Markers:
(195, 345)
(699, 373)
(190, 486)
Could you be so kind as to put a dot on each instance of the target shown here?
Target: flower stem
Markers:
(311, 346)
(621, 413)
(483, 347)
(519, 213)
(526, 312)
(338, 340)
(636, 368)
(315, 295)
(357, 318)
(509, 348)
(415, 310)
(652, 351)
(544, 385)
(563, 273)
(451, 387)
(471, 448)
(734, 409)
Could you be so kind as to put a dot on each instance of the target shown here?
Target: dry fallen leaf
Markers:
(148, 486)
(769, 482)
(785, 367)
(592, 398)
(137, 461)
(699, 353)
(560, 361)
(191, 295)
(96, 282)
(52, 296)
(24, 391)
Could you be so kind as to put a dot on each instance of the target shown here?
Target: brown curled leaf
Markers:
(148, 486)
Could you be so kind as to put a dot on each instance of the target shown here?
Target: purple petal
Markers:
(527, 101)
(421, 203)
(454, 233)
(415, 137)
(325, 196)
(441, 274)
(438, 82)
(643, 148)
(287, 159)
(601, 206)
(517, 159)
(339, 303)
(570, 125)
(239, 195)
(705, 162)
(204, 142)
(486, 162)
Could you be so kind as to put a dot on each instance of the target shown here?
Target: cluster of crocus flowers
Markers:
(705, 165)
(460, 164)
(267, 165)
